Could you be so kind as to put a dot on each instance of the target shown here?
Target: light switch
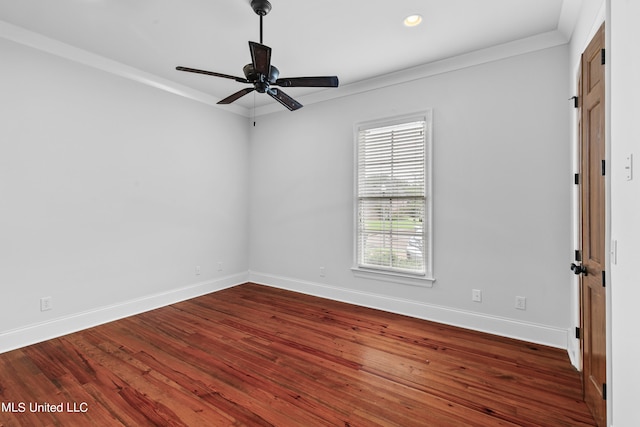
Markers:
(628, 167)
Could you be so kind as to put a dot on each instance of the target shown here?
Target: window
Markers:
(393, 206)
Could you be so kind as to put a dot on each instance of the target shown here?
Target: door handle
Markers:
(578, 269)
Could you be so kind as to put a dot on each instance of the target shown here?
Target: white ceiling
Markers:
(356, 40)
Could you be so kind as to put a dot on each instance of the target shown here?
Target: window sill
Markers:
(392, 276)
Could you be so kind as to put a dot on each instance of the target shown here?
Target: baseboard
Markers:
(574, 350)
(530, 332)
(541, 334)
(39, 332)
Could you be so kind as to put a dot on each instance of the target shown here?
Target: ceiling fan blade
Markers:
(261, 58)
(211, 73)
(284, 99)
(229, 99)
(326, 81)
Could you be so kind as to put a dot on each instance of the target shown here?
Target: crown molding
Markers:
(531, 44)
(496, 53)
(569, 17)
(37, 41)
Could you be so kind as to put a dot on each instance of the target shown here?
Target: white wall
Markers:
(501, 197)
(625, 210)
(111, 192)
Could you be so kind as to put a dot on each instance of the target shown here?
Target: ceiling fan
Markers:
(262, 75)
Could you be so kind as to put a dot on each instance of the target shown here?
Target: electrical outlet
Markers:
(521, 303)
(220, 266)
(476, 295)
(46, 304)
(323, 272)
(198, 270)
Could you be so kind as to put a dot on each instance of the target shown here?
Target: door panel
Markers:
(592, 206)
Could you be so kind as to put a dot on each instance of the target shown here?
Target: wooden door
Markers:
(592, 205)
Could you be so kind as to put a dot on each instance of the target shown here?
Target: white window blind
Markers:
(391, 198)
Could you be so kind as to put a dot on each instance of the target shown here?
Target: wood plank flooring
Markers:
(257, 356)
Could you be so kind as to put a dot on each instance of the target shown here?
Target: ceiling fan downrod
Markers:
(261, 8)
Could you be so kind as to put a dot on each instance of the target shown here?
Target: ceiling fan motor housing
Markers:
(261, 7)
(260, 81)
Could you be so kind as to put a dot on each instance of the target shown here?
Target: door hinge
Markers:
(603, 57)
(577, 332)
(604, 279)
(578, 255)
(604, 167)
(575, 101)
(576, 178)
(604, 391)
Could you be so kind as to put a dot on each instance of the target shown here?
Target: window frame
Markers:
(393, 274)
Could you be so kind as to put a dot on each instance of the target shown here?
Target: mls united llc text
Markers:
(44, 407)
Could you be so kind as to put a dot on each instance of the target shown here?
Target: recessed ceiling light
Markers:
(412, 20)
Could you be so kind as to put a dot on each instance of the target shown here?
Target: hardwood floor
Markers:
(258, 356)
